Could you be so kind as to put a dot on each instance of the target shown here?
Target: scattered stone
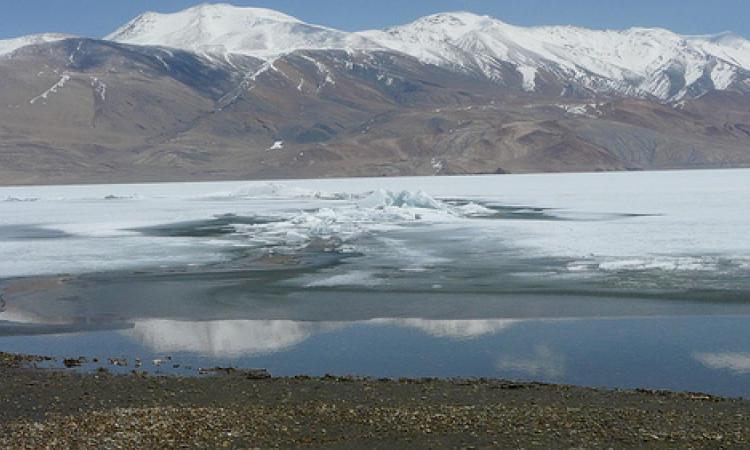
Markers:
(74, 362)
(257, 374)
(15, 360)
(122, 362)
(218, 371)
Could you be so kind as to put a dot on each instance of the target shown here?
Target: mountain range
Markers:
(223, 92)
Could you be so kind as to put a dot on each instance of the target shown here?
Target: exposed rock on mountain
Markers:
(217, 92)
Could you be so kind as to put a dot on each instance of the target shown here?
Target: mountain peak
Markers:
(207, 19)
(222, 28)
(10, 45)
(221, 10)
(455, 18)
(454, 23)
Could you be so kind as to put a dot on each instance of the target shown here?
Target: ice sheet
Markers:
(599, 223)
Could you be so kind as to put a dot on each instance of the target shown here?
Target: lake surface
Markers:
(617, 279)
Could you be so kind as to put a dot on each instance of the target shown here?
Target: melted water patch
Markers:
(24, 232)
(221, 225)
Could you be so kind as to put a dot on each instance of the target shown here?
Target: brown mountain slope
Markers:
(92, 111)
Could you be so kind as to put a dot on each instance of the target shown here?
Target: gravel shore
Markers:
(236, 409)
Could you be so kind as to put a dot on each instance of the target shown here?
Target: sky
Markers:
(96, 18)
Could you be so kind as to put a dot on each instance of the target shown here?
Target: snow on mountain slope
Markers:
(640, 62)
(222, 29)
(727, 46)
(635, 61)
(8, 46)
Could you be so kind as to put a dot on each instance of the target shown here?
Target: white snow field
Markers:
(636, 61)
(668, 223)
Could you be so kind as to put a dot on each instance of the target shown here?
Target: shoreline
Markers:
(230, 179)
(250, 409)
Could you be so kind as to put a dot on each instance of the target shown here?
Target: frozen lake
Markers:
(611, 279)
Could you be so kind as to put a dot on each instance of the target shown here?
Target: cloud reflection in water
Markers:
(543, 362)
(234, 338)
(738, 363)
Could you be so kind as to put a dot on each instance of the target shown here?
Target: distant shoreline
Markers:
(234, 179)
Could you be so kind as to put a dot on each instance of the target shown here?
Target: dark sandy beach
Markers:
(59, 409)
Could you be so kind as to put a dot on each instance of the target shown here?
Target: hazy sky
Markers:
(96, 18)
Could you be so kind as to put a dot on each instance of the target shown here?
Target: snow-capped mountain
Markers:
(222, 92)
(640, 62)
(227, 29)
(637, 61)
(8, 46)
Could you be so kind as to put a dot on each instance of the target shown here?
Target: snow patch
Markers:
(437, 165)
(53, 90)
(590, 110)
(529, 77)
(323, 70)
(163, 63)
(72, 57)
(388, 79)
(100, 88)
(723, 75)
